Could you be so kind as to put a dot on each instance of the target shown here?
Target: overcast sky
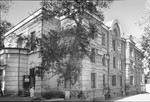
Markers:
(126, 11)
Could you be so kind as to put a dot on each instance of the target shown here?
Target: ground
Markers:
(15, 98)
(139, 97)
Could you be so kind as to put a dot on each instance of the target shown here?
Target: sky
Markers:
(127, 12)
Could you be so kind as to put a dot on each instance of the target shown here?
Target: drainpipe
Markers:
(41, 72)
(19, 72)
(0, 29)
(108, 60)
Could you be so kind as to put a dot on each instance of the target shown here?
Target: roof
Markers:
(110, 23)
(23, 22)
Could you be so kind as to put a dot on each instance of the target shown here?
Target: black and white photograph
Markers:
(75, 50)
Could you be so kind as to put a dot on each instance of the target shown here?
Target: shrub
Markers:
(10, 92)
(53, 94)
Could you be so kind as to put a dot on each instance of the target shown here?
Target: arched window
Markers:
(115, 33)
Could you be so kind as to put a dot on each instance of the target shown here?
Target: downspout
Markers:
(0, 30)
(125, 65)
(41, 72)
(19, 72)
(108, 60)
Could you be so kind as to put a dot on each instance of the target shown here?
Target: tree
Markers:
(145, 40)
(4, 25)
(74, 9)
(5, 5)
(62, 51)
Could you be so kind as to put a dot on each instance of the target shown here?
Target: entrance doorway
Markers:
(32, 77)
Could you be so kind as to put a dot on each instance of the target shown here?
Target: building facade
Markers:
(134, 68)
(117, 57)
(103, 75)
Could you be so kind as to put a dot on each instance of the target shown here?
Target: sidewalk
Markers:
(121, 98)
(15, 98)
(34, 99)
(116, 98)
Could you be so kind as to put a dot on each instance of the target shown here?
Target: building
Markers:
(18, 60)
(103, 75)
(134, 68)
(117, 58)
(94, 70)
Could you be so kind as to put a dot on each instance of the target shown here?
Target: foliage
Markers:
(74, 9)
(145, 40)
(63, 51)
(29, 42)
(10, 92)
(5, 5)
(4, 27)
(53, 94)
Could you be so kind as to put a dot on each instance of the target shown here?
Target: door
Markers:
(32, 77)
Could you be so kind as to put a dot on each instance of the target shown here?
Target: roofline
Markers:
(139, 49)
(15, 48)
(123, 39)
(24, 21)
(105, 26)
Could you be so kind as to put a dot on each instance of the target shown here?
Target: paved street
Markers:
(15, 98)
(138, 97)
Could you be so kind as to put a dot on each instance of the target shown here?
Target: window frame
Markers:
(93, 55)
(103, 39)
(121, 80)
(114, 45)
(114, 62)
(114, 80)
(33, 35)
(104, 61)
(131, 80)
(104, 83)
(93, 80)
(122, 64)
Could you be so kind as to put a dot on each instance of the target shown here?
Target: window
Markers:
(114, 62)
(114, 80)
(33, 42)
(103, 60)
(1, 72)
(131, 66)
(131, 63)
(120, 80)
(131, 80)
(93, 36)
(131, 52)
(122, 48)
(93, 81)
(92, 57)
(114, 45)
(103, 80)
(135, 56)
(115, 33)
(122, 65)
(103, 39)
(20, 40)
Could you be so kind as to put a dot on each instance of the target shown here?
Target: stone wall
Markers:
(16, 67)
